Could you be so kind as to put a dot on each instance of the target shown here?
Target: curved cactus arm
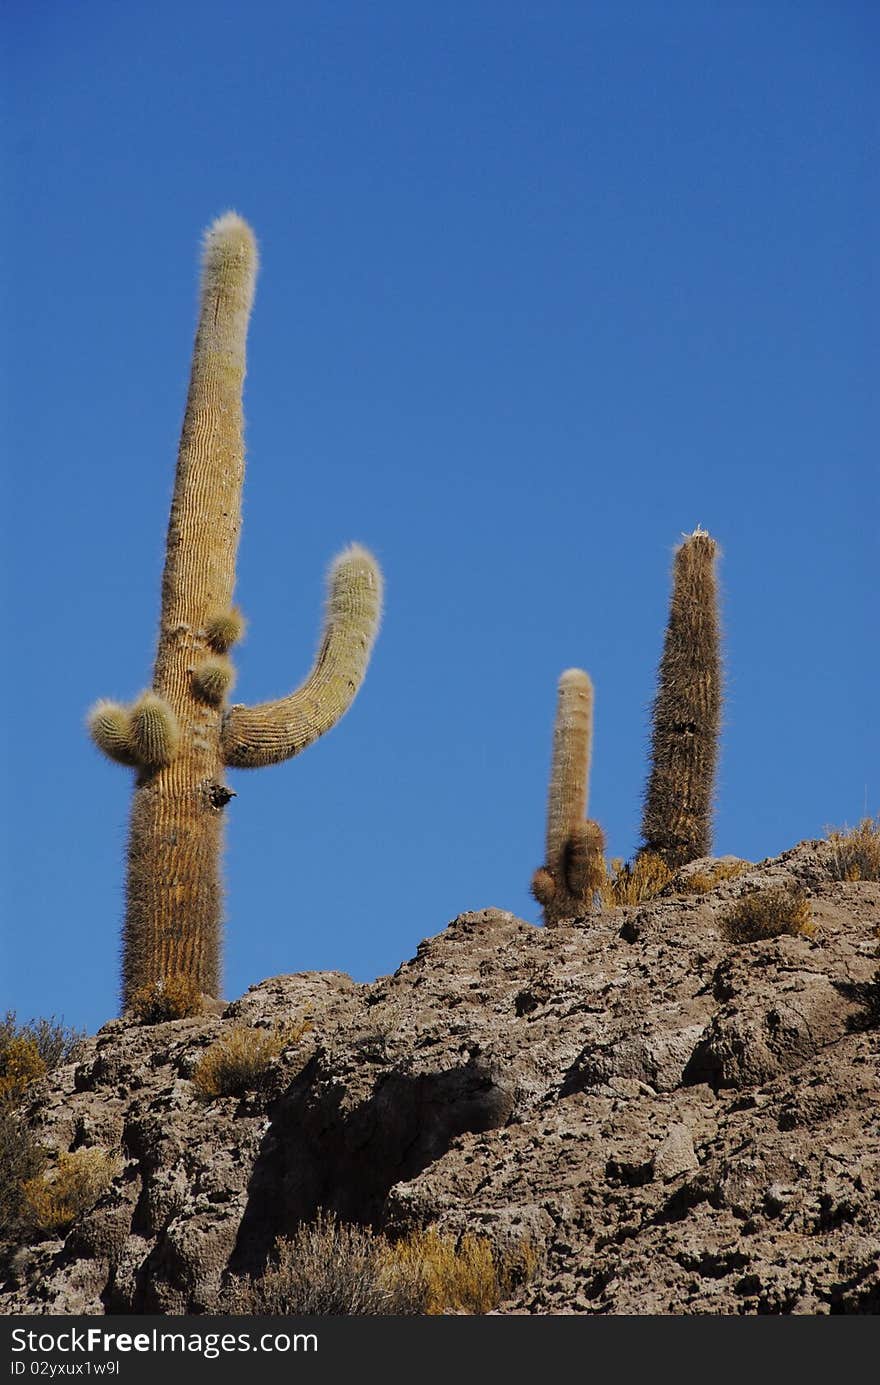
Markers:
(276, 731)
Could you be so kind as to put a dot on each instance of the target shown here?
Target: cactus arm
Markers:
(274, 731)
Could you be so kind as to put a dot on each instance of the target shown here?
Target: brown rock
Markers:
(676, 1124)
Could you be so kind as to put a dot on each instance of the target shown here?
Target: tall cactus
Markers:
(575, 865)
(677, 818)
(181, 733)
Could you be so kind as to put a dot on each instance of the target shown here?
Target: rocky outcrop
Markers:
(677, 1125)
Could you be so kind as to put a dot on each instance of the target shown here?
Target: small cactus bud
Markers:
(543, 887)
(213, 679)
(155, 733)
(110, 728)
(223, 629)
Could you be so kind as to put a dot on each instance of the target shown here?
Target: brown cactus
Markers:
(181, 734)
(677, 817)
(575, 864)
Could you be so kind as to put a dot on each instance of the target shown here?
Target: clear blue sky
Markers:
(542, 286)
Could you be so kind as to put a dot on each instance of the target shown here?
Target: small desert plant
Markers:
(20, 1064)
(53, 1201)
(768, 913)
(702, 881)
(856, 851)
(331, 1268)
(327, 1268)
(54, 1041)
(239, 1061)
(21, 1159)
(172, 998)
(464, 1277)
(633, 883)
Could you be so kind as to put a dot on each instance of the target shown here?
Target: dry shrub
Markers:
(856, 851)
(27, 1051)
(239, 1061)
(768, 913)
(20, 1064)
(54, 1201)
(54, 1042)
(21, 1159)
(173, 998)
(702, 881)
(633, 882)
(327, 1269)
(331, 1268)
(467, 1277)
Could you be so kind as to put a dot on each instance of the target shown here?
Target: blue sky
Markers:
(542, 287)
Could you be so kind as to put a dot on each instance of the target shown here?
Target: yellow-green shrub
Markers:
(53, 1201)
(239, 1061)
(467, 1276)
(173, 998)
(20, 1064)
(634, 882)
(702, 881)
(768, 913)
(52, 1042)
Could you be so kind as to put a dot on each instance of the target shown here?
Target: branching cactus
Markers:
(677, 818)
(575, 865)
(181, 733)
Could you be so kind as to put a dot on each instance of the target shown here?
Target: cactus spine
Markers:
(181, 734)
(677, 818)
(575, 866)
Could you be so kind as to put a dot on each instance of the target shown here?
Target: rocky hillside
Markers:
(678, 1124)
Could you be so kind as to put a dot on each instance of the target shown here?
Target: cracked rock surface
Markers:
(676, 1124)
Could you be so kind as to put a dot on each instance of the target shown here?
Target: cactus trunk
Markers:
(575, 865)
(677, 818)
(181, 733)
(174, 894)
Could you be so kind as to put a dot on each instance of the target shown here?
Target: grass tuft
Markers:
(856, 851)
(702, 881)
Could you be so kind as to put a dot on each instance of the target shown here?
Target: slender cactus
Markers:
(677, 818)
(575, 865)
(181, 733)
